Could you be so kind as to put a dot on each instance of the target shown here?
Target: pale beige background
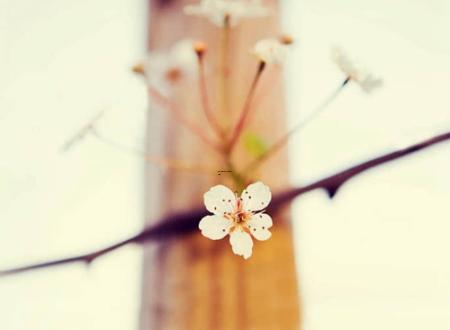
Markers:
(376, 257)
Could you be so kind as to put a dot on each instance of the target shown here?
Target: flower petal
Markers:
(259, 225)
(270, 51)
(355, 71)
(369, 83)
(220, 200)
(215, 227)
(241, 243)
(256, 197)
(182, 57)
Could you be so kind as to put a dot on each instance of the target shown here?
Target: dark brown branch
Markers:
(332, 183)
(174, 224)
(187, 222)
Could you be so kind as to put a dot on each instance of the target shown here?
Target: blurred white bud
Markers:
(355, 72)
(271, 51)
(227, 12)
(164, 69)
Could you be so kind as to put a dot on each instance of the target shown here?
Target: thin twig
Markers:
(82, 132)
(179, 223)
(280, 143)
(332, 183)
(187, 222)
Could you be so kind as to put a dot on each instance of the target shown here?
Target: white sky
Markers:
(376, 257)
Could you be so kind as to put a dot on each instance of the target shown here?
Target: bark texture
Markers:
(192, 282)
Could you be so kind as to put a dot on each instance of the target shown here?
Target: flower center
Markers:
(242, 217)
(173, 75)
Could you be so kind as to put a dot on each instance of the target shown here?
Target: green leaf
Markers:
(254, 144)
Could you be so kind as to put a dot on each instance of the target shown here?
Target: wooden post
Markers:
(192, 282)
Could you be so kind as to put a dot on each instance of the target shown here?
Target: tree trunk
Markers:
(193, 282)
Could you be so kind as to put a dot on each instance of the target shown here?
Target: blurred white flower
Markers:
(163, 69)
(238, 217)
(271, 51)
(355, 72)
(232, 11)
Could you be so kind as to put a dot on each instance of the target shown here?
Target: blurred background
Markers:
(374, 257)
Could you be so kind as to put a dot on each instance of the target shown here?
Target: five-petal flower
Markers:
(239, 217)
(222, 12)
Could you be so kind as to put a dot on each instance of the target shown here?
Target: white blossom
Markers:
(270, 51)
(220, 11)
(355, 72)
(163, 69)
(241, 218)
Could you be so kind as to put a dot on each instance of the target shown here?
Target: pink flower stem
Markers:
(246, 109)
(223, 90)
(165, 103)
(204, 99)
(281, 142)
